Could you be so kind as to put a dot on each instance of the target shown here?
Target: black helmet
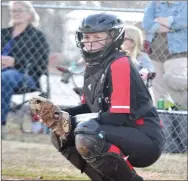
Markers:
(101, 22)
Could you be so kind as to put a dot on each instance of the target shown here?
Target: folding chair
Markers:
(23, 89)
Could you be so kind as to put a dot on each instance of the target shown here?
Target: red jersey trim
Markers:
(120, 97)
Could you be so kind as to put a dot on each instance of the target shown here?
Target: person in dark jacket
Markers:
(117, 127)
(24, 47)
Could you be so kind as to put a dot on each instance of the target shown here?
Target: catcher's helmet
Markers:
(101, 22)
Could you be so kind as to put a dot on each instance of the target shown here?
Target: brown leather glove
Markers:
(52, 116)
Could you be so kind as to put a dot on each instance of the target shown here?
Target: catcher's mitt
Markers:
(52, 116)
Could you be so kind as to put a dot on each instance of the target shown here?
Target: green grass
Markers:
(35, 160)
(23, 173)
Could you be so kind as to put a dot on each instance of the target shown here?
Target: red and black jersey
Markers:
(116, 88)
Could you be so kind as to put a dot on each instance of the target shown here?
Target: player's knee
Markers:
(89, 146)
(90, 140)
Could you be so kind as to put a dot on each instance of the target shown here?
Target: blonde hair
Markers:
(135, 34)
(28, 5)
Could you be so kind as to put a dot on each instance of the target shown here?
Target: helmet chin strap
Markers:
(94, 62)
(95, 58)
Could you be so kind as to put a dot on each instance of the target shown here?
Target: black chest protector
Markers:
(94, 81)
(95, 84)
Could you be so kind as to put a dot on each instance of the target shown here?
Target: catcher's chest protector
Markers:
(94, 81)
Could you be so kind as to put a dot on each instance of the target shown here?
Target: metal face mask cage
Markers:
(116, 36)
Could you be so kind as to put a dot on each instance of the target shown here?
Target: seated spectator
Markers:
(23, 47)
(133, 44)
(167, 20)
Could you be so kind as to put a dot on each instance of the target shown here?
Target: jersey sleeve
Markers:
(120, 96)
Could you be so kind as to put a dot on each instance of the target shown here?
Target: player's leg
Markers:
(105, 157)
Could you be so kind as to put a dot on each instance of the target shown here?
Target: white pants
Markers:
(171, 80)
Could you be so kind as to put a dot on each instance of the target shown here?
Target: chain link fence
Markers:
(38, 53)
